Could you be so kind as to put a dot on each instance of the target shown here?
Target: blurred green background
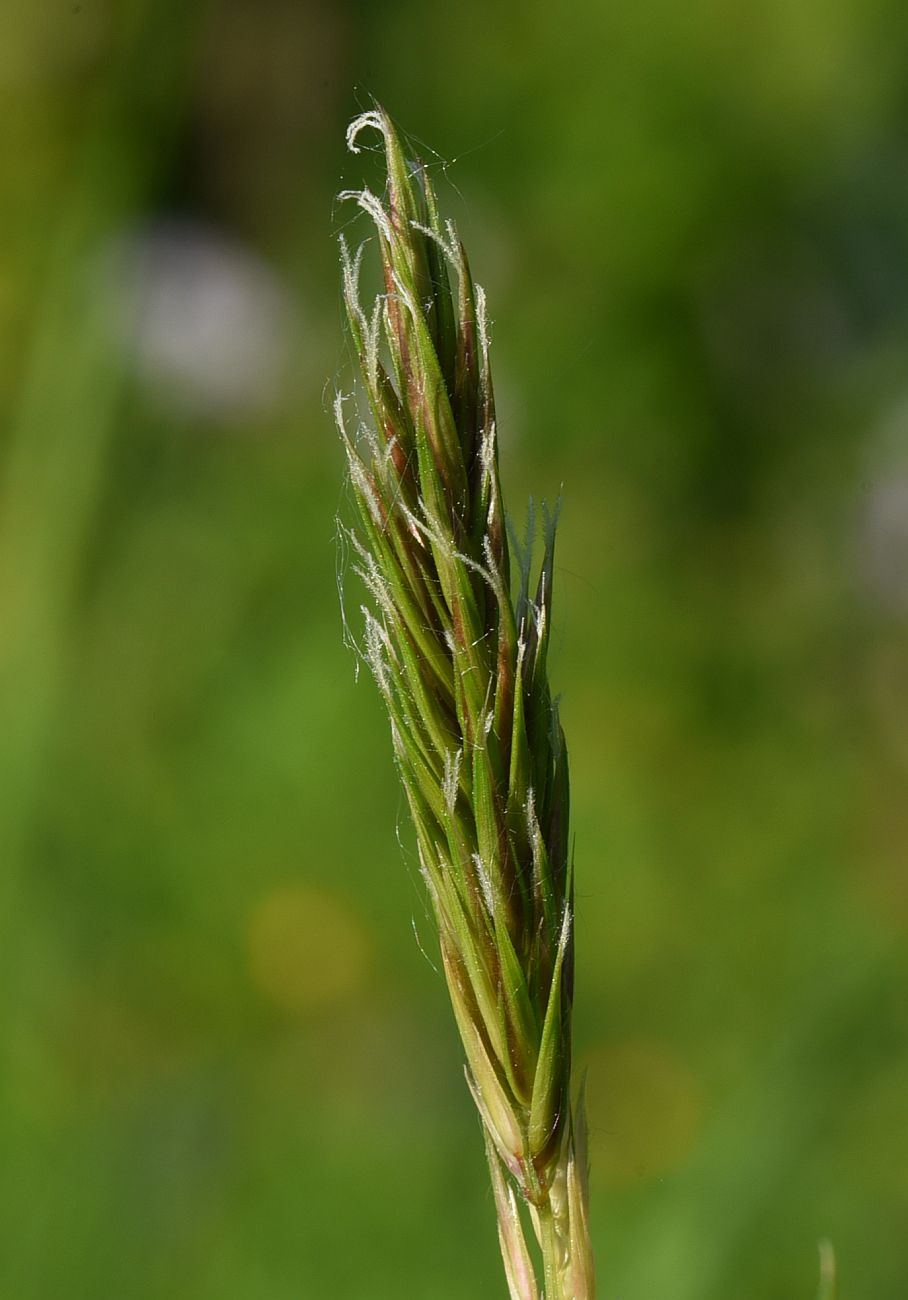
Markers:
(229, 1072)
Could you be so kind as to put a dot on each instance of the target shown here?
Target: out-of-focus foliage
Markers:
(228, 1070)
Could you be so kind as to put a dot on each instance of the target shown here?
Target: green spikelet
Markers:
(458, 650)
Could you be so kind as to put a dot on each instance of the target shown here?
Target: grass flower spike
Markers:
(456, 634)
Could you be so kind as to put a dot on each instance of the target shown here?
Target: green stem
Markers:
(552, 1244)
(562, 1228)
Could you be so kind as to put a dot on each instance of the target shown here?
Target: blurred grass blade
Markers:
(827, 1289)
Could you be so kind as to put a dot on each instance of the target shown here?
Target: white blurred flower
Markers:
(206, 324)
(883, 540)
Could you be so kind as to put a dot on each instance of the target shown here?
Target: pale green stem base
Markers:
(562, 1280)
(566, 1253)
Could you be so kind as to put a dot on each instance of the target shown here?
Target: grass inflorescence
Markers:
(457, 630)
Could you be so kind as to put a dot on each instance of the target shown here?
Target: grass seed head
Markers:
(459, 652)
